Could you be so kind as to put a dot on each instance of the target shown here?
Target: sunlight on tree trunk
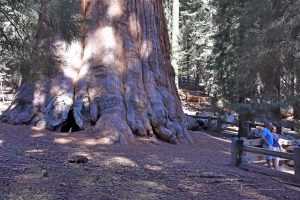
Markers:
(117, 79)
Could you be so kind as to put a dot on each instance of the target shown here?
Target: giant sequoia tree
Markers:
(117, 77)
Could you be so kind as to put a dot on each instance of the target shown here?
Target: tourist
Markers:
(267, 139)
(276, 147)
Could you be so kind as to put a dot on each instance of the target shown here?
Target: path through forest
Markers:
(34, 165)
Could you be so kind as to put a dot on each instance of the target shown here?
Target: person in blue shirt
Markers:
(267, 139)
(276, 147)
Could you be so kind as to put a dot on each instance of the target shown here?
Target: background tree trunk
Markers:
(175, 35)
(118, 78)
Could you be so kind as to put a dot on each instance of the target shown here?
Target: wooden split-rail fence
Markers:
(216, 124)
(228, 128)
(239, 147)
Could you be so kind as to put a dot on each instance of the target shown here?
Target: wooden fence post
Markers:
(1, 86)
(296, 156)
(247, 128)
(209, 123)
(219, 124)
(236, 152)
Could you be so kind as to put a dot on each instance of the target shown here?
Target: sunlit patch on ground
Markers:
(36, 151)
(25, 178)
(154, 168)
(179, 161)
(27, 194)
(33, 152)
(226, 152)
(37, 135)
(120, 161)
(156, 159)
(62, 140)
(153, 185)
(193, 187)
(91, 142)
(138, 171)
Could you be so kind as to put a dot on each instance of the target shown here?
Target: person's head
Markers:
(268, 125)
(273, 129)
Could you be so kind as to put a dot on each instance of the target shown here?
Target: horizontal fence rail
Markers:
(219, 123)
(240, 146)
(267, 171)
(239, 149)
(231, 129)
(267, 152)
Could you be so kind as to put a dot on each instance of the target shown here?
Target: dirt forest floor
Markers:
(34, 165)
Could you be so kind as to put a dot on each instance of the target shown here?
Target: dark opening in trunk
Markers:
(70, 125)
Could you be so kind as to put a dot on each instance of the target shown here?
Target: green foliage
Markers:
(16, 30)
(168, 13)
(20, 34)
(195, 36)
(190, 17)
(255, 53)
(243, 50)
(63, 18)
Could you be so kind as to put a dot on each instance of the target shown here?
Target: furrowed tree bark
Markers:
(118, 79)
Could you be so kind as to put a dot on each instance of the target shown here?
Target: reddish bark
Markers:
(119, 79)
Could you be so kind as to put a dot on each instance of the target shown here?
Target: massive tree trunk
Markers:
(118, 79)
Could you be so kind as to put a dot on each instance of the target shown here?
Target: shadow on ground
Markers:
(34, 165)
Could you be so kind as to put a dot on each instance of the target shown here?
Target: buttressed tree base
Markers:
(117, 78)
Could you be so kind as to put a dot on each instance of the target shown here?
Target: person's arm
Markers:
(264, 134)
(277, 139)
(265, 140)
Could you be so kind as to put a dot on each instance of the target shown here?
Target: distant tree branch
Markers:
(11, 22)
